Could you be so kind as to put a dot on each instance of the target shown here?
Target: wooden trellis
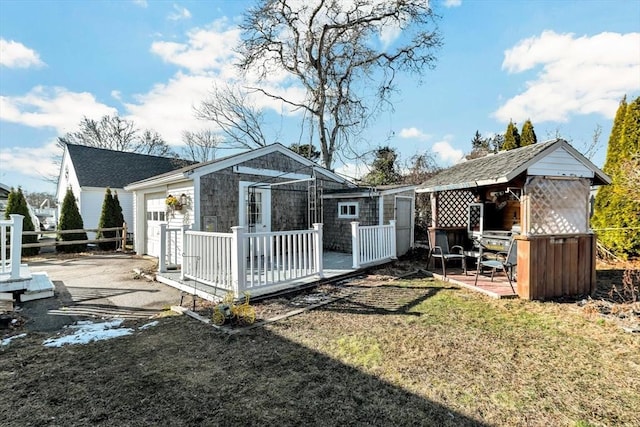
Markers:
(452, 208)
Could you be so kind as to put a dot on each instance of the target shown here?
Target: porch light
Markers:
(183, 199)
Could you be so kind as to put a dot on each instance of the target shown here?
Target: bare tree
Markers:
(116, 133)
(229, 108)
(335, 50)
(200, 146)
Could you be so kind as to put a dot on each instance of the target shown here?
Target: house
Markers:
(275, 203)
(89, 171)
(538, 195)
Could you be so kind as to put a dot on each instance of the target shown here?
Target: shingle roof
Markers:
(496, 168)
(97, 167)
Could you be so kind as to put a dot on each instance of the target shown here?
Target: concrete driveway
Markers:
(95, 286)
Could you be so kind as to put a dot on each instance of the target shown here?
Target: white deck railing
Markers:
(240, 261)
(373, 244)
(277, 257)
(11, 266)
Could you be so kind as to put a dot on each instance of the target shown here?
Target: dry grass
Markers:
(409, 352)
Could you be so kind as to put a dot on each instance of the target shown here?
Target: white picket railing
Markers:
(207, 257)
(11, 267)
(277, 257)
(373, 243)
(240, 261)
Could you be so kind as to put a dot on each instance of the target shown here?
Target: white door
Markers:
(255, 208)
(404, 222)
(155, 214)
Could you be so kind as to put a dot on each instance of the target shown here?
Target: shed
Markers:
(538, 195)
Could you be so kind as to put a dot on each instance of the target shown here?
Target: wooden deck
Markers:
(499, 288)
(335, 264)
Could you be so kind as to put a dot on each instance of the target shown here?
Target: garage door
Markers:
(155, 214)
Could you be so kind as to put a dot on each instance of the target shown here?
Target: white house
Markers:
(89, 171)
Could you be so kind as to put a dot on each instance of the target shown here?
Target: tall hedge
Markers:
(616, 217)
(17, 204)
(70, 219)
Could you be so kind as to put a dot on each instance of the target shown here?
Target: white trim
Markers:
(348, 216)
(266, 204)
(350, 195)
(154, 182)
(217, 165)
(197, 216)
(380, 210)
(269, 172)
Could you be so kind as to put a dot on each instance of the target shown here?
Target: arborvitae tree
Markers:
(70, 219)
(528, 135)
(118, 210)
(108, 218)
(384, 169)
(616, 216)
(17, 204)
(511, 137)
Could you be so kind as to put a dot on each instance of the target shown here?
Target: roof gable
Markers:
(98, 167)
(505, 166)
(212, 166)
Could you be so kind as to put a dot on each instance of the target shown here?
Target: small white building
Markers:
(89, 171)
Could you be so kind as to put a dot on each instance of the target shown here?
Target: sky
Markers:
(563, 64)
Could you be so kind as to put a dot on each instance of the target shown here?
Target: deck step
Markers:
(40, 286)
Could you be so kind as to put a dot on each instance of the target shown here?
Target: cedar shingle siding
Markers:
(219, 192)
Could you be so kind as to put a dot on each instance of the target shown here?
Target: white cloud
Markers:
(16, 55)
(580, 75)
(452, 3)
(206, 49)
(33, 162)
(414, 133)
(51, 107)
(179, 13)
(168, 107)
(445, 151)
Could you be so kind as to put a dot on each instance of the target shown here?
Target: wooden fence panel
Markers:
(555, 266)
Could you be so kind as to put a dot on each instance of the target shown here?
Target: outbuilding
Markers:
(537, 195)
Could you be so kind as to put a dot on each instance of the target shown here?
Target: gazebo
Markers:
(538, 195)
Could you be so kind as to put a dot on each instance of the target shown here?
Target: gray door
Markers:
(404, 229)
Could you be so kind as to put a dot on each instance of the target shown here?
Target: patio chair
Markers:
(441, 250)
(505, 261)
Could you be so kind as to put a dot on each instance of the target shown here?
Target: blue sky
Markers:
(563, 64)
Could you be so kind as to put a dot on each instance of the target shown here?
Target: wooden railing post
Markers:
(355, 243)
(318, 248)
(124, 236)
(394, 249)
(16, 245)
(162, 257)
(238, 260)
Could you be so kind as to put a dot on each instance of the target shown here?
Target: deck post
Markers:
(394, 247)
(183, 241)
(162, 257)
(16, 245)
(317, 240)
(238, 273)
(355, 243)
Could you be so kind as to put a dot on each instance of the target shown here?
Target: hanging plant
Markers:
(173, 202)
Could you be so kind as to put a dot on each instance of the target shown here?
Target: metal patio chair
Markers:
(441, 250)
(505, 261)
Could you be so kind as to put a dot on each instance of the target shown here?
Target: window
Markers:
(348, 210)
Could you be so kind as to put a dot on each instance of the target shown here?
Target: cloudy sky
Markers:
(563, 64)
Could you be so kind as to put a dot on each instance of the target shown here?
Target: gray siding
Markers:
(219, 194)
(337, 231)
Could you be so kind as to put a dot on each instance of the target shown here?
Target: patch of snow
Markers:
(6, 341)
(148, 325)
(87, 331)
